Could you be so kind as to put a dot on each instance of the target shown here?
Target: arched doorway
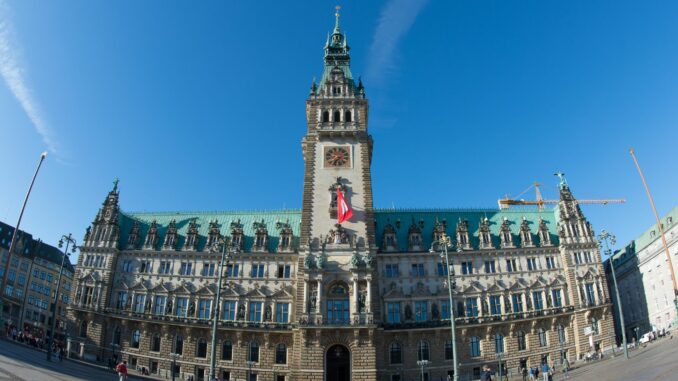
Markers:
(338, 364)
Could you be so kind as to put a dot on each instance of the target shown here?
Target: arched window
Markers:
(326, 116)
(116, 336)
(227, 350)
(561, 334)
(83, 329)
(201, 348)
(179, 345)
(281, 354)
(475, 346)
(396, 353)
(521, 341)
(155, 343)
(542, 337)
(136, 339)
(253, 354)
(422, 351)
(499, 343)
(347, 116)
(337, 116)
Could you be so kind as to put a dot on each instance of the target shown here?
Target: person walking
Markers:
(523, 372)
(566, 367)
(545, 370)
(122, 370)
(486, 374)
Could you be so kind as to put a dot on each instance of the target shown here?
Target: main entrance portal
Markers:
(338, 364)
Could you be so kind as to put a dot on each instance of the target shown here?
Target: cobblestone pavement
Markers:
(21, 363)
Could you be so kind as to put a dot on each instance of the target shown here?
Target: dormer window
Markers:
(484, 234)
(152, 236)
(191, 237)
(237, 234)
(505, 232)
(544, 235)
(525, 234)
(213, 234)
(171, 236)
(133, 236)
(414, 236)
(286, 236)
(389, 240)
(260, 236)
(439, 229)
(347, 116)
(463, 240)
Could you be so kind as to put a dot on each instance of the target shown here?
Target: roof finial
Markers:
(561, 176)
(336, 25)
(115, 184)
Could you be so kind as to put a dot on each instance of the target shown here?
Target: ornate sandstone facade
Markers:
(310, 299)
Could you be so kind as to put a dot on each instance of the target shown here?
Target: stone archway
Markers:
(338, 363)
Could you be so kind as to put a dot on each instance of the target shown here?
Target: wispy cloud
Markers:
(14, 74)
(395, 20)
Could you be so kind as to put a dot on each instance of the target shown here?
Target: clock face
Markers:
(337, 157)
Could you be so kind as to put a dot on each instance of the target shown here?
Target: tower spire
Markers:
(337, 28)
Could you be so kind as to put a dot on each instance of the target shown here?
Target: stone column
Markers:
(319, 303)
(305, 309)
(368, 303)
(354, 302)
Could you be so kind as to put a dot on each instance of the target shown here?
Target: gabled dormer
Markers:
(286, 240)
(505, 234)
(414, 239)
(484, 235)
(260, 236)
(389, 239)
(525, 234)
(544, 235)
(192, 237)
(171, 236)
(133, 238)
(213, 234)
(237, 234)
(151, 237)
(463, 237)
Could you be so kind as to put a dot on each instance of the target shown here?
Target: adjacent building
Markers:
(644, 279)
(308, 298)
(31, 285)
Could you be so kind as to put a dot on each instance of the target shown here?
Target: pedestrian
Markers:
(122, 370)
(536, 373)
(486, 374)
(504, 372)
(566, 367)
(523, 372)
(61, 354)
(545, 370)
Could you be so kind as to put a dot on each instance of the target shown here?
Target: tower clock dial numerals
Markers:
(337, 157)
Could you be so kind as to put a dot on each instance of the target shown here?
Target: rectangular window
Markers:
(577, 258)
(122, 300)
(284, 271)
(204, 308)
(590, 297)
(421, 310)
(557, 301)
(145, 267)
(517, 301)
(43, 275)
(392, 271)
(139, 301)
(50, 278)
(442, 269)
(127, 266)
(165, 267)
(489, 267)
(471, 307)
(445, 309)
(511, 265)
(255, 311)
(232, 270)
(537, 300)
(393, 312)
(418, 270)
(531, 264)
(182, 307)
(282, 313)
(257, 271)
(22, 279)
(550, 263)
(159, 307)
(186, 268)
(338, 311)
(467, 268)
(495, 304)
(588, 257)
(207, 269)
(229, 310)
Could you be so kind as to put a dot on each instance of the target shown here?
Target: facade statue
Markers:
(321, 261)
(267, 314)
(312, 301)
(309, 262)
(362, 297)
(408, 312)
(191, 309)
(370, 261)
(241, 312)
(355, 260)
(435, 314)
(168, 309)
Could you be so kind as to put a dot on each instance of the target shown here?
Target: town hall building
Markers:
(307, 298)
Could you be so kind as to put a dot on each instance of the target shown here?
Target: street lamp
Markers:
(611, 239)
(12, 242)
(422, 364)
(69, 240)
(221, 244)
(114, 346)
(499, 367)
(174, 357)
(445, 242)
(249, 369)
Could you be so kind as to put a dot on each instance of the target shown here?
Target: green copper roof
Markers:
(203, 219)
(473, 216)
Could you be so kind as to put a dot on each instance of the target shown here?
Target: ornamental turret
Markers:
(572, 224)
(105, 231)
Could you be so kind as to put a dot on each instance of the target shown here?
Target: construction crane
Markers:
(540, 202)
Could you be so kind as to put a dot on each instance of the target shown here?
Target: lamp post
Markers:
(445, 242)
(69, 240)
(12, 242)
(222, 245)
(611, 239)
(499, 367)
(114, 346)
(422, 364)
(174, 363)
(249, 369)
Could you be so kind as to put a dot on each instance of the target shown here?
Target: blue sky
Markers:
(200, 105)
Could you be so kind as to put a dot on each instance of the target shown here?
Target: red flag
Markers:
(344, 211)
